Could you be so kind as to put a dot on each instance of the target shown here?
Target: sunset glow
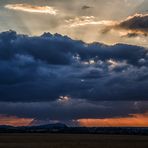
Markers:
(136, 120)
(14, 121)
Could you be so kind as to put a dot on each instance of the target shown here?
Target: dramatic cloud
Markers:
(133, 26)
(51, 67)
(75, 112)
(52, 78)
(32, 9)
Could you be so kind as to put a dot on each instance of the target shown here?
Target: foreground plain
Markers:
(72, 141)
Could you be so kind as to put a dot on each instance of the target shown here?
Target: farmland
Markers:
(38, 140)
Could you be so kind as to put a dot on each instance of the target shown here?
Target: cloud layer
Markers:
(75, 113)
(52, 78)
(46, 67)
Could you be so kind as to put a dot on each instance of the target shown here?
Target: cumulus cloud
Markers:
(46, 67)
(32, 9)
(132, 26)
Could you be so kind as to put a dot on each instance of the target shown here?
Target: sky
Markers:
(79, 62)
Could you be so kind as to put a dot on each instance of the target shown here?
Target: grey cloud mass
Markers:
(73, 110)
(134, 25)
(43, 68)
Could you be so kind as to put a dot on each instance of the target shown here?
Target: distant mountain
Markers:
(49, 126)
(40, 128)
(62, 128)
(6, 126)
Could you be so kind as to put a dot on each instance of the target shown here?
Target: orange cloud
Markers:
(14, 121)
(32, 9)
(134, 120)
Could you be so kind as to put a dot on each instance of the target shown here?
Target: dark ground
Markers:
(72, 141)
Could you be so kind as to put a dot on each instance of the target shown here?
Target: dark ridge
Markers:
(62, 128)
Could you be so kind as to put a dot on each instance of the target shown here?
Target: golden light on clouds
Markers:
(32, 9)
(64, 99)
(135, 120)
(87, 20)
(14, 121)
(113, 64)
(132, 26)
(89, 62)
(135, 15)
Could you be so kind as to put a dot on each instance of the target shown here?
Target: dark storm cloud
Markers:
(134, 25)
(43, 68)
(72, 110)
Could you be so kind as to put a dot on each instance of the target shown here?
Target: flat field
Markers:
(71, 141)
